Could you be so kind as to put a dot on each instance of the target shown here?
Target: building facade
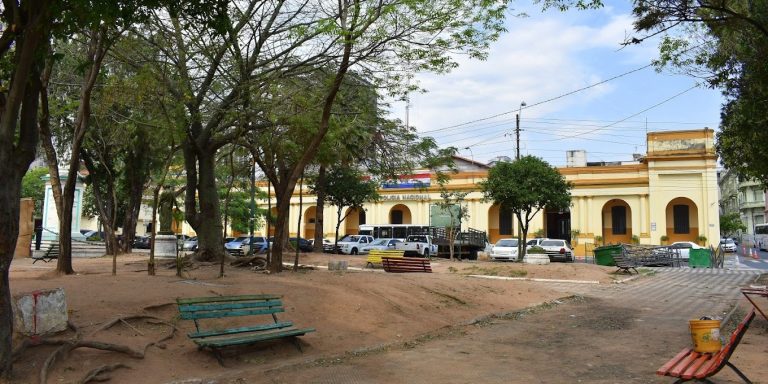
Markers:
(670, 194)
(745, 197)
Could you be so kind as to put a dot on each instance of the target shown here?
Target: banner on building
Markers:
(419, 180)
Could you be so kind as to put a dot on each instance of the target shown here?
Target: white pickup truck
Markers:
(418, 245)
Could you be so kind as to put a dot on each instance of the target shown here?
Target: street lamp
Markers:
(517, 129)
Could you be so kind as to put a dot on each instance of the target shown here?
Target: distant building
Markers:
(746, 197)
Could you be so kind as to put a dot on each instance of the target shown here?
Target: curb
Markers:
(535, 279)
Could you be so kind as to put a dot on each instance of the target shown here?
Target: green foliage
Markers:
(731, 224)
(536, 250)
(33, 185)
(635, 239)
(527, 185)
(664, 238)
(345, 187)
(724, 43)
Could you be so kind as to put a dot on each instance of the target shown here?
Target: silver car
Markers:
(557, 250)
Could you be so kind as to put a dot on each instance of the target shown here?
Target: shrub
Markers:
(536, 249)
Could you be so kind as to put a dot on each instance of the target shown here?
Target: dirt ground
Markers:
(356, 313)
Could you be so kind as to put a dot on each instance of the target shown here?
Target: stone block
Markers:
(536, 258)
(165, 246)
(40, 313)
(338, 265)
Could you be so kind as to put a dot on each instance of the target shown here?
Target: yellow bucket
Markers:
(705, 335)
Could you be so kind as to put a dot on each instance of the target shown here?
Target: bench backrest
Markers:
(386, 252)
(229, 306)
(406, 264)
(719, 360)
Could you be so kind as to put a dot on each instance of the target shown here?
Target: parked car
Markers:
(327, 245)
(304, 244)
(142, 242)
(684, 247)
(418, 245)
(728, 245)
(536, 241)
(235, 247)
(557, 250)
(380, 245)
(190, 244)
(505, 249)
(182, 237)
(352, 244)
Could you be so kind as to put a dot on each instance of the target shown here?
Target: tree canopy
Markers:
(725, 44)
(525, 187)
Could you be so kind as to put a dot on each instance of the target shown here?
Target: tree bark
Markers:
(200, 164)
(319, 211)
(19, 104)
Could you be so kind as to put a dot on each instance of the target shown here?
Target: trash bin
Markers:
(699, 258)
(604, 255)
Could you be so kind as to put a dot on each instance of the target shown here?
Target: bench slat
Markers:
(215, 299)
(673, 362)
(684, 364)
(689, 365)
(696, 365)
(218, 343)
(232, 331)
(219, 314)
(224, 306)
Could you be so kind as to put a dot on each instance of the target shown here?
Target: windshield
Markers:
(417, 239)
(380, 242)
(351, 239)
(241, 238)
(507, 243)
(552, 243)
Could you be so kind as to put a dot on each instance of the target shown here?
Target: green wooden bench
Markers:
(50, 254)
(375, 255)
(224, 334)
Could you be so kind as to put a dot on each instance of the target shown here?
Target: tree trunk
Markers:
(131, 217)
(298, 224)
(64, 262)
(9, 231)
(207, 220)
(319, 211)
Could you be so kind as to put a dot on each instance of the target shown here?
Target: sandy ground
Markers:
(354, 312)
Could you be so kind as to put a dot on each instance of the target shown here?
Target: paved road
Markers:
(747, 260)
(529, 350)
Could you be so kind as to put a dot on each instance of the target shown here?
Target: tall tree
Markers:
(453, 204)
(525, 187)
(26, 29)
(32, 185)
(346, 188)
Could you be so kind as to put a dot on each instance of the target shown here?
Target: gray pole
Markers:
(517, 137)
(253, 207)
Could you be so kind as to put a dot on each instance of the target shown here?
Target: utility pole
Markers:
(517, 130)
(517, 137)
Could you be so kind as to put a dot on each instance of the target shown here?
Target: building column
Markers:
(643, 215)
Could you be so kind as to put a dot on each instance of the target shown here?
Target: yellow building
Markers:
(670, 194)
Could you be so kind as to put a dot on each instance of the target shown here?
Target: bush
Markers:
(536, 249)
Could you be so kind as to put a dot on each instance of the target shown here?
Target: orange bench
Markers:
(691, 365)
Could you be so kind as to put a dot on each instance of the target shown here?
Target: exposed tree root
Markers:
(68, 345)
(98, 373)
(257, 262)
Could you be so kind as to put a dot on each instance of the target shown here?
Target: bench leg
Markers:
(738, 372)
(218, 356)
(297, 343)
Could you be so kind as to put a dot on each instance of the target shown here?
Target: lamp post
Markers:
(517, 129)
(473, 160)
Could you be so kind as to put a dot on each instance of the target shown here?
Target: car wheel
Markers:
(354, 251)
(426, 253)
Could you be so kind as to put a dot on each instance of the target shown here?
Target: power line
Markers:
(630, 116)
(541, 102)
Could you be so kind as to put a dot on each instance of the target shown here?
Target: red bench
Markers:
(691, 365)
(406, 264)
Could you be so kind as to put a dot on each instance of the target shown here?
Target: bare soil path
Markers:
(374, 327)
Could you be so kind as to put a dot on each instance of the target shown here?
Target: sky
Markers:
(546, 55)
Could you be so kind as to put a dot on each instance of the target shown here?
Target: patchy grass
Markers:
(504, 271)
